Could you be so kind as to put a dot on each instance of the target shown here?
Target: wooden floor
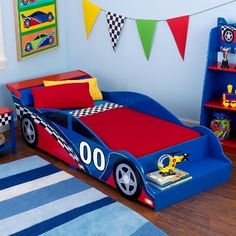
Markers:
(209, 213)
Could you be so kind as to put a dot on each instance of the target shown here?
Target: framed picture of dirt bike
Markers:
(36, 27)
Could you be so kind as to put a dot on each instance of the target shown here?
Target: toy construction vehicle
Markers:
(167, 162)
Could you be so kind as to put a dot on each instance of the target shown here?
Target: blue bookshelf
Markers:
(7, 118)
(217, 79)
(5, 146)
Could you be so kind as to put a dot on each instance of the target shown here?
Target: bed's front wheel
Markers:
(127, 179)
(29, 130)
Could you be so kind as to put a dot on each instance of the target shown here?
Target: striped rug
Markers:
(36, 198)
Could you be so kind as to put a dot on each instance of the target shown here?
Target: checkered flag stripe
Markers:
(226, 27)
(5, 119)
(20, 111)
(96, 109)
(115, 25)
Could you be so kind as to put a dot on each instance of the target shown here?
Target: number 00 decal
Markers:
(86, 156)
(85, 153)
(96, 153)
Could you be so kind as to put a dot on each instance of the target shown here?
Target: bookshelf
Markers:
(7, 118)
(216, 81)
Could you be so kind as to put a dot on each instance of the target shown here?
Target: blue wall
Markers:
(165, 77)
(44, 64)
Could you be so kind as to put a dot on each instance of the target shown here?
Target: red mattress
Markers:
(136, 132)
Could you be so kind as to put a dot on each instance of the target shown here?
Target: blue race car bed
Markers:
(120, 139)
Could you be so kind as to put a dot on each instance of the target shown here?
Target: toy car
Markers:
(25, 2)
(36, 18)
(40, 41)
(120, 140)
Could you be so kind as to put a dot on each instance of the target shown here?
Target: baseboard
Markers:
(189, 122)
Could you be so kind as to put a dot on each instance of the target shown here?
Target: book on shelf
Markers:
(172, 184)
(164, 181)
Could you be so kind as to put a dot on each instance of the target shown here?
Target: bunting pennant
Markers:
(179, 29)
(91, 12)
(115, 25)
(146, 29)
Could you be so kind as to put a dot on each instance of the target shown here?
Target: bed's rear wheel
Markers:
(127, 179)
(29, 130)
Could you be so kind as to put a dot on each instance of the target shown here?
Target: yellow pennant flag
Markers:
(91, 12)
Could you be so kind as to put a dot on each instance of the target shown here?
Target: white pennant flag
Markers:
(115, 25)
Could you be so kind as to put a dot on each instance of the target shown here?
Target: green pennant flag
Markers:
(146, 29)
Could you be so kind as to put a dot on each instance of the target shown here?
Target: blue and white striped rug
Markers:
(38, 198)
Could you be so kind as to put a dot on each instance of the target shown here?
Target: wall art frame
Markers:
(36, 24)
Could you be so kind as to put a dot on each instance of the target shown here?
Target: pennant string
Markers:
(193, 14)
(129, 18)
(213, 8)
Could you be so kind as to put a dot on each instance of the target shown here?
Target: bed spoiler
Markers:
(17, 86)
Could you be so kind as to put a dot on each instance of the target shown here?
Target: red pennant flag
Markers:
(179, 29)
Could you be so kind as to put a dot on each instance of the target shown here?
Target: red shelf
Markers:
(229, 145)
(4, 110)
(232, 68)
(217, 104)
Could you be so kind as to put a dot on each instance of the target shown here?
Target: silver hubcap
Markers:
(126, 179)
(228, 36)
(49, 17)
(28, 47)
(50, 40)
(28, 131)
(27, 24)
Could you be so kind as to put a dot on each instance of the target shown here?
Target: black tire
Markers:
(28, 47)
(123, 183)
(50, 17)
(29, 130)
(26, 23)
(228, 36)
(51, 40)
(25, 2)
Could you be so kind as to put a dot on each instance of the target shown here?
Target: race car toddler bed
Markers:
(118, 138)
